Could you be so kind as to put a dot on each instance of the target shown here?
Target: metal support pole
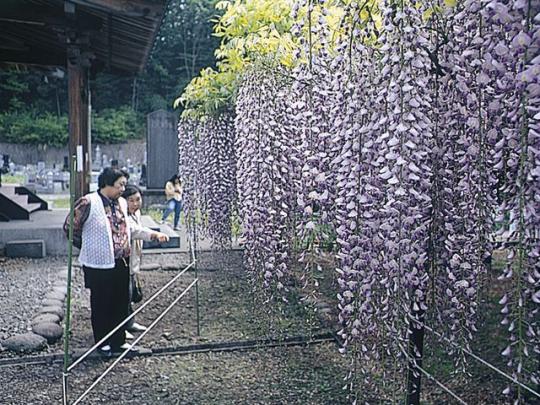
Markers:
(197, 277)
(64, 388)
(67, 325)
(194, 238)
(416, 351)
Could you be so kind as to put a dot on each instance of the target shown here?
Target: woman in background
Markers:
(133, 196)
(173, 192)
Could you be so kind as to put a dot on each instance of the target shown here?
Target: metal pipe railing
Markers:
(87, 353)
(125, 352)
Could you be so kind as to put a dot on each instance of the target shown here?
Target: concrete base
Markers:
(174, 238)
(45, 225)
(48, 226)
(26, 248)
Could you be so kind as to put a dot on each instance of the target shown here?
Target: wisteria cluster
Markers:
(266, 178)
(408, 139)
(189, 166)
(208, 166)
(512, 58)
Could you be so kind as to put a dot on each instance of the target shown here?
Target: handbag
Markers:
(136, 290)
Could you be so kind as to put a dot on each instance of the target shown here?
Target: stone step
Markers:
(22, 201)
(19, 199)
(25, 248)
(31, 207)
(7, 190)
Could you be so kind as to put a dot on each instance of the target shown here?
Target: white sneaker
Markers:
(129, 335)
(105, 348)
(132, 348)
(137, 327)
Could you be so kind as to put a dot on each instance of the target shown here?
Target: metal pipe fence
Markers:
(126, 351)
(147, 302)
(67, 370)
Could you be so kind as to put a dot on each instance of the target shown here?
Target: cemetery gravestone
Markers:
(161, 148)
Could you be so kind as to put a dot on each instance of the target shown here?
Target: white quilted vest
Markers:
(97, 246)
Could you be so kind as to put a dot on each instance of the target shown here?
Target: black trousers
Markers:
(130, 323)
(109, 301)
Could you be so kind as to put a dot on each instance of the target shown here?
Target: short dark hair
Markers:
(174, 178)
(130, 190)
(109, 176)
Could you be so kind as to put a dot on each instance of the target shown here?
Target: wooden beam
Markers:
(126, 8)
(33, 57)
(13, 44)
(78, 119)
(48, 17)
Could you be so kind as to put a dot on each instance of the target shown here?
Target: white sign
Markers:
(79, 158)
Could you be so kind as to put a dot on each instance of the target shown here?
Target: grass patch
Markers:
(154, 213)
(13, 179)
(60, 203)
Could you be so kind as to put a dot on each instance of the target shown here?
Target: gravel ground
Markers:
(298, 375)
(295, 375)
(23, 284)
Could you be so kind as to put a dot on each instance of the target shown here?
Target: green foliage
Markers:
(38, 98)
(184, 46)
(260, 32)
(32, 90)
(25, 127)
(108, 126)
(12, 179)
(116, 125)
(247, 29)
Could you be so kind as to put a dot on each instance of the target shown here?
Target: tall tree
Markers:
(183, 47)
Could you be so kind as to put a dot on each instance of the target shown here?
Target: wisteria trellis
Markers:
(408, 140)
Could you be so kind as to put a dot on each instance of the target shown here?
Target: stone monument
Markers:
(161, 148)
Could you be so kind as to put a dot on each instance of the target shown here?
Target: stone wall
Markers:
(22, 154)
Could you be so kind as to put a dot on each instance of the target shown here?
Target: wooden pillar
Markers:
(78, 99)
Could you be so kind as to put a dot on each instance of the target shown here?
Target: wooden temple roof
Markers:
(114, 35)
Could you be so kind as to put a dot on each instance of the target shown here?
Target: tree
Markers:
(183, 47)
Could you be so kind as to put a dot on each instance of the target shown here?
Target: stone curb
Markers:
(46, 324)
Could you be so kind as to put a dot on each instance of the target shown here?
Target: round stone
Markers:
(50, 331)
(47, 302)
(173, 267)
(52, 310)
(60, 284)
(60, 289)
(50, 318)
(55, 296)
(150, 266)
(27, 342)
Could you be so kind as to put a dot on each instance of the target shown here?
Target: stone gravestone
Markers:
(161, 148)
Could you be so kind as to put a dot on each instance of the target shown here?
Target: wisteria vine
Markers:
(408, 137)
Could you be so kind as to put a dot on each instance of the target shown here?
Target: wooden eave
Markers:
(116, 35)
